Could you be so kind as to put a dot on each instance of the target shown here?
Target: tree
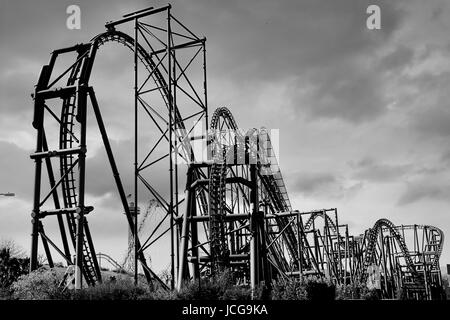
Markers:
(13, 263)
(14, 250)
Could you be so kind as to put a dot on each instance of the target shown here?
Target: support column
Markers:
(35, 215)
(254, 277)
(171, 122)
(38, 124)
(299, 245)
(81, 118)
(45, 245)
(190, 197)
(136, 170)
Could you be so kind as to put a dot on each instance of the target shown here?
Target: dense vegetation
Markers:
(45, 283)
(13, 264)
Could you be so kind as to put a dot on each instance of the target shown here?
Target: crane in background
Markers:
(128, 262)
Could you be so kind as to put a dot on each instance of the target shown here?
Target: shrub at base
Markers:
(218, 287)
(355, 291)
(309, 288)
(41, 284)
(11, 268)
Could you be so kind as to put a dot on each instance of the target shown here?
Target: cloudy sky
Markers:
(364, 115)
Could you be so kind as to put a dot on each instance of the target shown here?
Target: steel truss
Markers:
(167, 53)
(406, 258)
(235, 212)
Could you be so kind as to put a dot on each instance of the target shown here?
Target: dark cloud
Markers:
(333, 71)
(330, 31)
(269, 46)
(398, 59)
(311, 183)
(427, 96)
(433, 122)
(446, 158)
(370, 170)
(321, 185)
(344, 91)
(425, 190)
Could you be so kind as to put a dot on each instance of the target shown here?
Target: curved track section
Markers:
(68, 140)
(373, 235)
(239, 151)
(146, 58)
(435, 241)
(221, 120)
(68, 127)
(440, 245)
(113, 262)
(321, 214)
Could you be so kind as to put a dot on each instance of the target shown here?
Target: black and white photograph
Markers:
(245, 152)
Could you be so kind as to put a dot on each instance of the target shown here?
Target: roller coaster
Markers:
(235, 212)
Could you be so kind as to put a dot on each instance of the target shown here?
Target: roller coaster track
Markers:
(334, 257)
(216, 187)
(69, 190)
(228, 192)
(112, 262)
(67, 137)
(321, 214)
(168, 73)
(273, 182)
(67, 125)
(271, 179)
(437, 242)
(373, 234)
(219, 250)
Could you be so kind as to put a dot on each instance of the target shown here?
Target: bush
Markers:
(305, 288)
(371, 294)
(319, 289)
(11, 268)
(113, 289)
(161, 294)
(212, 288)
(44, 284)
(355, 291)
(219, 287)
(5, 293)
(41, 284)
(290, 289)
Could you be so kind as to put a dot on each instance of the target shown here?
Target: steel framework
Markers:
(165, 84)
(235, 212)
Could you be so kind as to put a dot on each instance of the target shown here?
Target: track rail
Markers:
(216, 187)
(436, 244)
(68, 140)
(373, 234)
(321, 214)
(274, 240)
(271, 182)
